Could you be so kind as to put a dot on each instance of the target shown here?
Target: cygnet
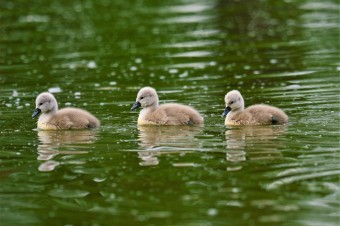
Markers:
(165, 114)
(259, 114)
(67, 118)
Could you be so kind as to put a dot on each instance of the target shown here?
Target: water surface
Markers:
(97, 55)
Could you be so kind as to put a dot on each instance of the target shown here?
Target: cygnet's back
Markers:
(175, 114)
(165, 114)
(66, 118)
(74, 118)
(259, 114)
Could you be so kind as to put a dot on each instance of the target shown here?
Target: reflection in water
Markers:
(52, 141)
(157, 140)
(241, 140)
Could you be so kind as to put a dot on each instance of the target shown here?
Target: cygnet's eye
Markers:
(231, 102)
(40, 104)
(142, 98)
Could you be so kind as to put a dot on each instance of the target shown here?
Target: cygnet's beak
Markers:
(226, 111)
(36, 112)
(135, 106)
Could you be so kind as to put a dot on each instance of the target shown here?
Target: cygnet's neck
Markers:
(55, 106)
(235, 112)
(153, 106)
(238, 110)
(147, 111)
(150, 108)
(45, 116)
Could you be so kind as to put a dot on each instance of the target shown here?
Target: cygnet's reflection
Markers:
(157, 140)
(52, 141)
(253, 142)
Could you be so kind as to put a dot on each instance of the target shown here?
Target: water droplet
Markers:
(212, 212)
(15, 93)
(184, 74)
(138, 60)
(173, 71)
(91, 65)
(133, 68)
(273, 61)
(55, 90)
(294, 86)
(77, 95)
(96, 179)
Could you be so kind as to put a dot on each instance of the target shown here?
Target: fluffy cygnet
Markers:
(259, 114)
(165, 114)
(66, 118)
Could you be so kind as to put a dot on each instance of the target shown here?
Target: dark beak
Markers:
(226, 111)
(135, 106)
(36, 112)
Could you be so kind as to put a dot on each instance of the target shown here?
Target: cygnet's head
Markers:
(146, 97)
(233, 102)
(44, 103)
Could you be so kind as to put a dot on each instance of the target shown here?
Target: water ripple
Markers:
(289, 180)
(189, 19)
(193, 54)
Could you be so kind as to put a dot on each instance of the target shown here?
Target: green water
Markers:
(97, 54)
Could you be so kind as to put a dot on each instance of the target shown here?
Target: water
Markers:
(97, 55)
